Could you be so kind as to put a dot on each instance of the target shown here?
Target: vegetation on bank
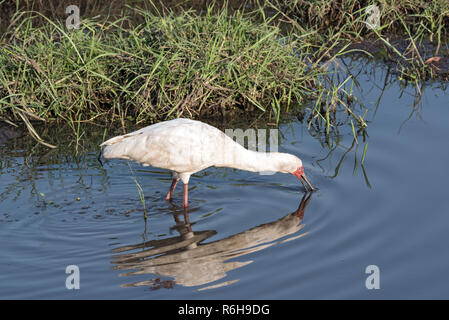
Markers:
(421, 18)
(171, 65)
(268, 59)
(409, 34)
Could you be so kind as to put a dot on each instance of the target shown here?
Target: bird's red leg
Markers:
(187, 220)
(172, 188)
(186, 195)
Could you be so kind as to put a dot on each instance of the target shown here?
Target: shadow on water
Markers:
(192, 263)
(8, 133)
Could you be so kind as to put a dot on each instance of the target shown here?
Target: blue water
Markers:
(243, 240)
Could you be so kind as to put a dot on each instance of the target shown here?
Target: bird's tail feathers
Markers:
(118, 139)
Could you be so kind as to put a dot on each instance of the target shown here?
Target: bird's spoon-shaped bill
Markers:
(302, 176)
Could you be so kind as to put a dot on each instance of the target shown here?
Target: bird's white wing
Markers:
(181, 145)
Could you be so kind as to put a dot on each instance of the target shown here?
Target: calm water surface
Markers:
(246, 235)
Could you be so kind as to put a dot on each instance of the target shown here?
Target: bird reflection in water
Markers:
(192, 263)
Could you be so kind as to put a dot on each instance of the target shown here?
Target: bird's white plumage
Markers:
(178, 145)
(187, 146)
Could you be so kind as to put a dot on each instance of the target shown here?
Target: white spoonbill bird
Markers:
(187, 146)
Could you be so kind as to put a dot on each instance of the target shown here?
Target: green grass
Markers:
(212, 64)
(422, 25)
(185, 65)
(425, 18)
(140, 191)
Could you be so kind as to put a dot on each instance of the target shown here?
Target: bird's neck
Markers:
(248, 160)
